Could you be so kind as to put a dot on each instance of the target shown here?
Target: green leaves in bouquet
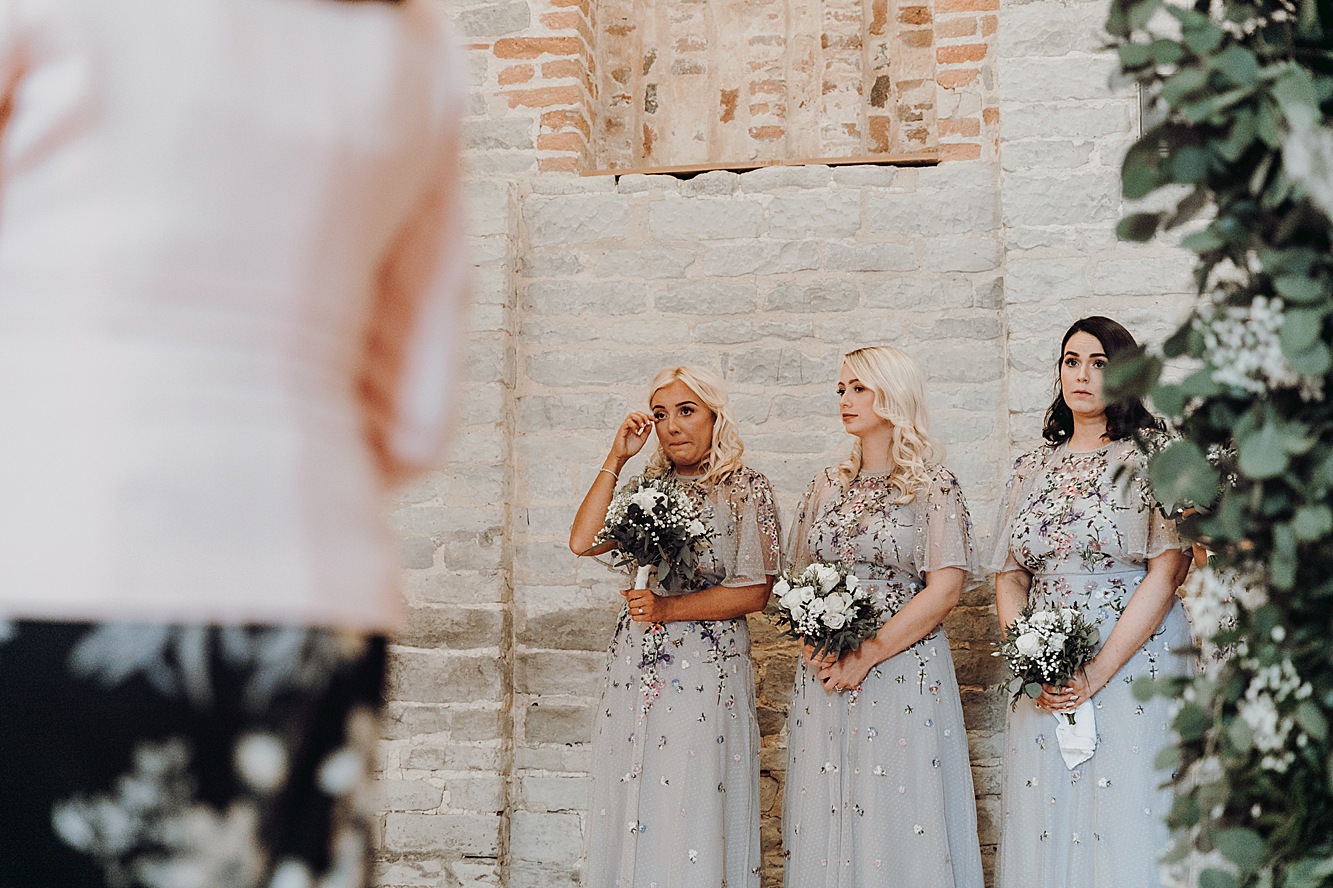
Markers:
(671, 548)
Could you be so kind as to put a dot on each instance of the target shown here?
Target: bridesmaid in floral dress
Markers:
(675, 794)
(879, 785)
(1077, 529)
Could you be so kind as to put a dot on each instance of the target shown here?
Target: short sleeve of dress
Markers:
(798, 539)
(758, 553)
(943, 525)
(1148, 533)
(1025, 469)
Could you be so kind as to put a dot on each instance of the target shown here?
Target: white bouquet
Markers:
(1050, 646)
(827, 607)
(653, 523)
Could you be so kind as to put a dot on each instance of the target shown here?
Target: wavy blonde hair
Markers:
(724, 453)
(900, 398)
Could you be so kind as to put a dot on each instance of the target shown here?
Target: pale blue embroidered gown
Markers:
(675, 774)
(879, 784)
(1085, 536)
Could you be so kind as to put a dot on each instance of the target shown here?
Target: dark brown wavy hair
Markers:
(1123, 418)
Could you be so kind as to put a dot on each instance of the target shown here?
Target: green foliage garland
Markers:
(1246, 89)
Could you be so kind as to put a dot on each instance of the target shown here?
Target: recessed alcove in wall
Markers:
(686, 85)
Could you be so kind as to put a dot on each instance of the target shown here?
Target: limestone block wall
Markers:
(766, 277)
(1063, 133)
(585, 286)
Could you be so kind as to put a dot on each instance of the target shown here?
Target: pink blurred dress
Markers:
(230, 285)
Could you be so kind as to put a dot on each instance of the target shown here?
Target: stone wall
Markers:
(587, 285)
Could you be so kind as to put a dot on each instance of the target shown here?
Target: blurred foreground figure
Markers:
(229, 286)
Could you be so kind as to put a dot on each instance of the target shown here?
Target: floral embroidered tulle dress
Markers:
(879, 785)
(675, 797)
(1084, 525)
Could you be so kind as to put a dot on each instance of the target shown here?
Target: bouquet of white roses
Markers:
(654, 524)
(1050, 646)
(827, 607)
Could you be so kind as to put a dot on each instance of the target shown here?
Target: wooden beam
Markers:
(919, 158)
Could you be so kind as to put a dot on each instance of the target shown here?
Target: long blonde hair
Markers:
(724, 453)
(900, 398)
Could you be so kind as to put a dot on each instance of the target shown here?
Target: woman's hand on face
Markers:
(1067, 698)
(645, 606)
(848, 671)
(632, 435)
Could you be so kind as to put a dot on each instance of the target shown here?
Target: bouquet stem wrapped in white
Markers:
(653, 524)
(1050, 646)
(826, 607)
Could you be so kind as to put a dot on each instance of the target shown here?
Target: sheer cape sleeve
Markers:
(943, 525)
(1025, 471)
(752, 552)
(816, 494)
(1148, 532)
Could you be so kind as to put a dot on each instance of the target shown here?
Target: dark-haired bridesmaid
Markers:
(1078, 530)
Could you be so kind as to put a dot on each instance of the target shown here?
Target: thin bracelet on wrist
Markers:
(609, 472)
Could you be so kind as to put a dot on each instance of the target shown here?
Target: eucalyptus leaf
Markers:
(1312, 522)
(1312, 720)
(1188, 208)
(1190, 722)
(1241, 846)
(1215, 878)
(1228, 519)
(1144, 689)
(1169, 399)
(1309, 872)
(1268, 124)
(1244, 130)
(1202, 37)
(1135, 55)
(1181, 475)
(1200, 384)
(1240, 736)
(1282, 560)
(1313, 363)
(1300, 288)
(1177, 343)
(1168, 759)
(1140, 11)
(1236, 64)
(1141, 174)
(1262, 454)
(1295, 94)
(1183, 84)
(1131, 374)
(1166, 52)
(1190, 165)
(1138, 227)
(1202, 241)
(1301, 329)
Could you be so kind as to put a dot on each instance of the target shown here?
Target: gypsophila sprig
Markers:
(1047, 646)
(1244, 347)
(825, 606)
(653, 523)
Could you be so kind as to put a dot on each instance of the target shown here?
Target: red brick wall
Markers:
(636, 84)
